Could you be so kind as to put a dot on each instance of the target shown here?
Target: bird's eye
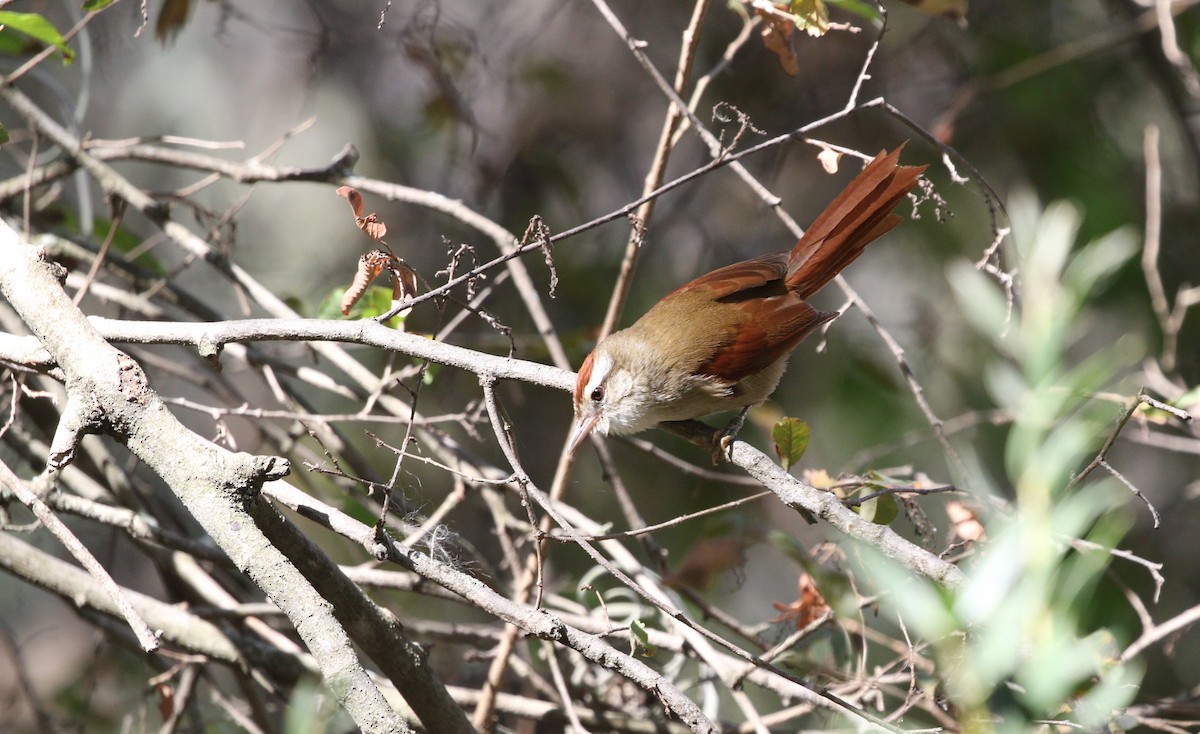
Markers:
(597, 395)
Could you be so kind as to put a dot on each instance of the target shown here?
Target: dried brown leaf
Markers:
(404, 281)
(166, 700)
(808, 607)
(776, 34)
(351, 195)
(370, 266)
(372, 227)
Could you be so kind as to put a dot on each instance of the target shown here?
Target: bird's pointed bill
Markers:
(582, 428)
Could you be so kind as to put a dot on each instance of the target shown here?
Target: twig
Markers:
(788, 642)
(1154, 284)
(686, 467)
(727, 56)
(560, 683)
(1137, 492)
(146, 637)
(837, 703)
(678, 520)
(1154, 634)
(113, 226)
(50, 49)
(654, 178)
(716, 148)
(1100, 460)
(857, 501)
(529, 578)
(1154, 569)
(532, 621)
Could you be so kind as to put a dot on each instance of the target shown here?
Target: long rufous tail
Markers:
(860, 214)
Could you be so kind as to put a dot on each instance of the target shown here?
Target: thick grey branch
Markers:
(214, 484)
(792, 491)
(177, 626)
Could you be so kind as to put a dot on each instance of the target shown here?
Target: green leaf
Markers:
(639, 640)
(3, 135)
(981, 299)
(1099, 260)
(859, 8)
(811, 16)
(1189, 398)
(880, 510)
(37, 27)
(93, 5)
(791, 439)
(377, 300)
(330, 307)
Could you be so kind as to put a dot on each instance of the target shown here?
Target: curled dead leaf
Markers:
(808, 607)
(370, 266)
(351, 195)
(404, 280)
(776, 34)
(166, 700)
(370, 224)
(372, 227)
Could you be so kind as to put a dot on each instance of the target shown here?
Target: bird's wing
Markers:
(772, 328)
(766, 322)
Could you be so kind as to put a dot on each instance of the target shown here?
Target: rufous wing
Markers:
(765, 321)
(772, 328)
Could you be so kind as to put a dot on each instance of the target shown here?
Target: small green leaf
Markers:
(377, 300)
(37, 27)
(3, 135)
(93, 5)
(330, 307)
(862, 9)
(1189, 398)
(639, 640)
(880, 510)
(811, 16)
(791, 439)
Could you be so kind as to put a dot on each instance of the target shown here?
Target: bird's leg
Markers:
(723, 441)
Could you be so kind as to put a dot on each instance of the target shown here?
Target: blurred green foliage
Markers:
(1012, 643)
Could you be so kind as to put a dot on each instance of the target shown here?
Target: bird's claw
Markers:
(723, 441)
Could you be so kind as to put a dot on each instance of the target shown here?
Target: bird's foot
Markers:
(723, 441)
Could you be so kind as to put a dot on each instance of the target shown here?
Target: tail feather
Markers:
(859, 215)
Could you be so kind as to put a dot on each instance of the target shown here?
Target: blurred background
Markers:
(526, 107)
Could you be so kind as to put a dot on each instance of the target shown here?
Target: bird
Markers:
(721, 342)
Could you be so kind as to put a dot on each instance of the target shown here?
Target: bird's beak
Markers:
(582, 428)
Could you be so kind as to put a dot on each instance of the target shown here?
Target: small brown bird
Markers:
(721, 342)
